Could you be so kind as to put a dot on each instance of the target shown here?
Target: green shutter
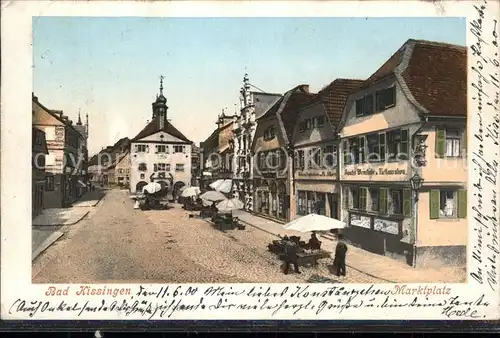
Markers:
(462, 203)
(464, 146)
(440, 142)
(407, 202)
(346, 154)
(362, 198)
(383, 200)
(345, 198)
(381, 148)
(434, 204)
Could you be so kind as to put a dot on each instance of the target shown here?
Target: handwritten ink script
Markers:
(485, 122)
(171, 301)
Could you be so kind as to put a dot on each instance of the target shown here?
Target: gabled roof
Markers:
(334, 96)
(432, 74)
(287, 109)
(156, 125)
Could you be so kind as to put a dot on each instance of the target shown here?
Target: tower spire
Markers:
(79, 123)
(161, 84)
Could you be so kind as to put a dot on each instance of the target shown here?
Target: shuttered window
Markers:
(345, 150)
(383, 203)
(362, 198)
(361, 150)
(382, 146)
(434, 204)
(407, 202)
(440, 142)
(345, 197)
(405, 149)
(462, 203)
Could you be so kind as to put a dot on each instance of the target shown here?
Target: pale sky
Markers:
(110, 67)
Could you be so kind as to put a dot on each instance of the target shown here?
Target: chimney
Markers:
(304, 88)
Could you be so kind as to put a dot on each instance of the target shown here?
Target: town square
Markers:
(330, 174)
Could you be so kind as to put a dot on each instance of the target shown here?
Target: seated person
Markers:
(314, 243)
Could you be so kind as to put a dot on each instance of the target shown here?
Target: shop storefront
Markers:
(271, 199)
(317, 194)
(377, 208)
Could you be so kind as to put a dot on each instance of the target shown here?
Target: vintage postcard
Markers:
(250, 161)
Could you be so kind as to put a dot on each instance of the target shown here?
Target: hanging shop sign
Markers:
(387, 226)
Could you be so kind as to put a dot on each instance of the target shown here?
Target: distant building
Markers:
(160, 153)
(38, 152)
(119, 171)
(273, 154)
(253, 106)
(217, 151)
(66, 160)
(195, 166)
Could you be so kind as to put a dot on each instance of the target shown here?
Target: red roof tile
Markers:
(334, 97)
(437, 77)
(155, 126)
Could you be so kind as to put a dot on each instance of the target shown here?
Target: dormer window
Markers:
(386, 98)
(269, 133)
(364, 105)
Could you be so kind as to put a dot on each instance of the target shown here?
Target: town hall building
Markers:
(160, 153)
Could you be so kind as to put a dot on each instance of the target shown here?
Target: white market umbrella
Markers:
(314, 222)
(225, 186)
(213, 196)
(190, 192)
(230, 205)
(184, 187)
(214, 185)
(152, 187)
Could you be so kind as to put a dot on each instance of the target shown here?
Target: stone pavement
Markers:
(378, 266)
(48, 227)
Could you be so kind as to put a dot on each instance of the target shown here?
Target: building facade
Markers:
(408, 118)
(66, 161)
(253, 106)
(160, 153)
(273, 156)
(38, 152)
(119, 171)
(315, 143)
(217, 152)
(195, 166)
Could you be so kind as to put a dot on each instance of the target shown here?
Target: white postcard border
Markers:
(22, 300)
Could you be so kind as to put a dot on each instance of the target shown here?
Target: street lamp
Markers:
(416, 182)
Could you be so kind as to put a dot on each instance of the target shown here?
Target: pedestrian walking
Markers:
(340, 255)
(291, 257)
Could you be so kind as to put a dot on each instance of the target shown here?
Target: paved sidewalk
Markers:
(378, 266)
(60, 216)
(42, 238)
(90, 199)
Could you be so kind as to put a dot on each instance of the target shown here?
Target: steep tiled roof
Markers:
(156, 126)
(334, 96)
(386, 69)
(435, 74)
(437, 78)
(291, 111)
(288, 108)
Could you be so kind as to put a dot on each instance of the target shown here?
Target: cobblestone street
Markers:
(119, 244)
